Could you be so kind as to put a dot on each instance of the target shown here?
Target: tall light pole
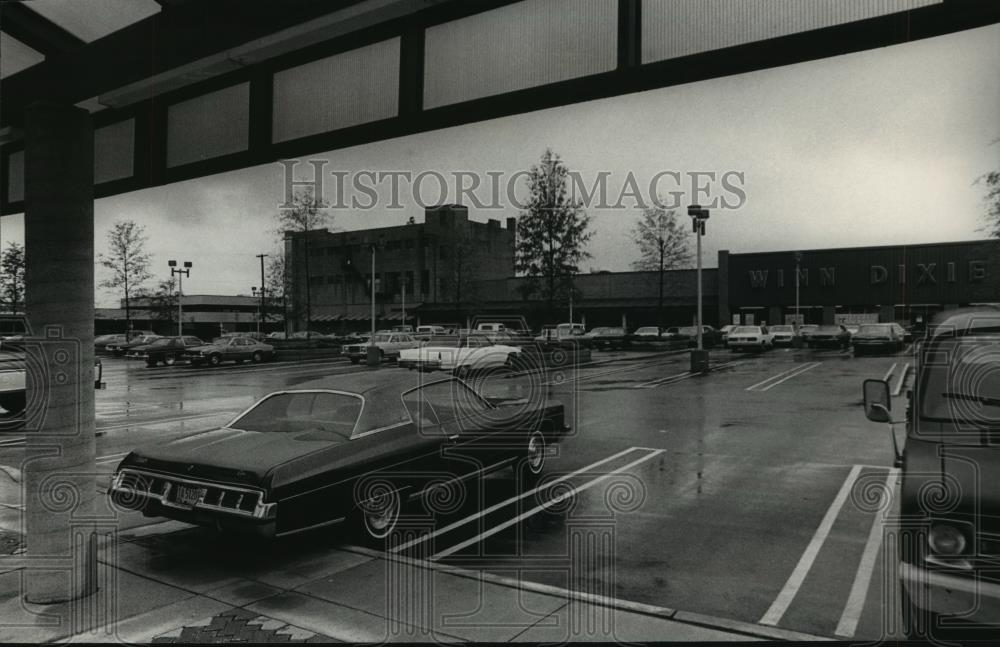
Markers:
(253, 289)
(699, 357)
(180, 274)
(798, 261)
(404, 300)
(260, 311)
(373, 358)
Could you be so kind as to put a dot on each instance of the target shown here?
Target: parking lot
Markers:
(748, 495)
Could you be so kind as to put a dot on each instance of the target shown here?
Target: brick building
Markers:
(442, 260)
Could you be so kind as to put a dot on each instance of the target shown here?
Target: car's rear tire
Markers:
(257, 358)
(533, 463)
(169, 360)
(215, 360)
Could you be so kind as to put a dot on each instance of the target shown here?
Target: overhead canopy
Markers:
(182, 89)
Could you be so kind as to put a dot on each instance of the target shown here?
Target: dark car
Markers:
(341, 448)
(237, 349)
(167, 350)
(878, 337)
(947, 530)
(102, 342)
(710, 337)
(122, 347)
(608, 337)
(835, 336)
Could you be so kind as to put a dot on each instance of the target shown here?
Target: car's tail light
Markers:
(948, 539)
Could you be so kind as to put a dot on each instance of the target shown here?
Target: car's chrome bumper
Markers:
(948, 594)
(157, 497)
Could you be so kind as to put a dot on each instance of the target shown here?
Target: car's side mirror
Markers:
(878, 402)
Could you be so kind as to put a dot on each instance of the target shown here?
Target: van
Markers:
(490, 327)
(948, 535)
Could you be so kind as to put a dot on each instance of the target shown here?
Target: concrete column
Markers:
(725, 314)
(887, 314)
(59, 475)
(829, 315)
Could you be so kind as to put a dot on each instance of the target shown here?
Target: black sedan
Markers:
(836, 336)
(165, 349)
(353, 448)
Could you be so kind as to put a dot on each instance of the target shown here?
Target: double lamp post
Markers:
(699, 356)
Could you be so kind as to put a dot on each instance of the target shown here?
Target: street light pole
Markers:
(699, 356)
(373, 358)
(798, 260)
(404, 300)
(260, 310)
(180, 274)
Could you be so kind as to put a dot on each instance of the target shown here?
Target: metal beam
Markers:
(38, 33)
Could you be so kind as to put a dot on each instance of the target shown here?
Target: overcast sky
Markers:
(880, 147)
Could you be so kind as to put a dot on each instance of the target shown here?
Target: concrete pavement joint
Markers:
(666, 613)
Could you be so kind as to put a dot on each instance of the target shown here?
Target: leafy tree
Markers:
(663, 245)
(163, 301)
(551, 234)
(992, 199)
(307, 212)
(128, 261)
(12, 278)
(274, 284)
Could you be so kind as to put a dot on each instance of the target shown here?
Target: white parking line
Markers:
(775, 380)
(859, 590)
(149, 423)
(548, 504)
(902, 379)
(505, 502)
(791, 588)
(671, 379)
(888, 374)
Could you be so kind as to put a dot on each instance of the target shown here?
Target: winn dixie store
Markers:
(904, 283)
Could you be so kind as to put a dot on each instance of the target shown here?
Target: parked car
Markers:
(389, 345)
(878, 337)
(230, 349)
(13, 383)
(648, 333)
(407, 328)
(122, 347)
(167, 350)
(426, 333)
(806, 329)
(276, 335)
(947, 544)
(102, 342)
(709, 336)
(782, 335)
(306, 334)
(750, 338)
(724, 333)
(491, 327)
(852, 328)
(460, 354)
(347, 448)
(562, 332)
(608, 337)
(835, 336)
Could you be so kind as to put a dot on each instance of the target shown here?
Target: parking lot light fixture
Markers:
(180, 274)
(699, 357)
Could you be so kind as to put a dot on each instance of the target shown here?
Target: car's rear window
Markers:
(745, 330)
(959, 381)
(303, 411)
(875, 328)
(828, 329)
(782, 329)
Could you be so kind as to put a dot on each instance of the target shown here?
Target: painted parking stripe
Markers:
(671, 379)
(888, 374)
(791, 588)
(902, 379)
(508, 501)
(775, 380)
(862, 579)
(548, 504)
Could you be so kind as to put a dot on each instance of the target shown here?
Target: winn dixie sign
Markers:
(899, 274)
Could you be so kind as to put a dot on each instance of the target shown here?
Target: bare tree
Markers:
(128, 261)
(163, 301)
(551, 234)
(12, 279)
(306, 213)
(663, 245)
(992, 200)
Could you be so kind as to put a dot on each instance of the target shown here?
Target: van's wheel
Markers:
(214, 360)
(257, 358)
(170, 360)
(379, 515)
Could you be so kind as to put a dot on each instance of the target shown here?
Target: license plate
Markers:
(189, 496)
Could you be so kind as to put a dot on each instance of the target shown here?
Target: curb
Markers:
(685, 617)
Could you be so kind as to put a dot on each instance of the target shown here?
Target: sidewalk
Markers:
(169, 582)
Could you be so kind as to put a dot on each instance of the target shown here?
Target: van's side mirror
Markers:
(878, 402)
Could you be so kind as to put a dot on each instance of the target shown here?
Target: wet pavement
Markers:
(747, 495)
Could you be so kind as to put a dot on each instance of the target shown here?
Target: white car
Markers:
(461, 355)
(750, 338)
(561, 332)
(647, 332)
(389, 344)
